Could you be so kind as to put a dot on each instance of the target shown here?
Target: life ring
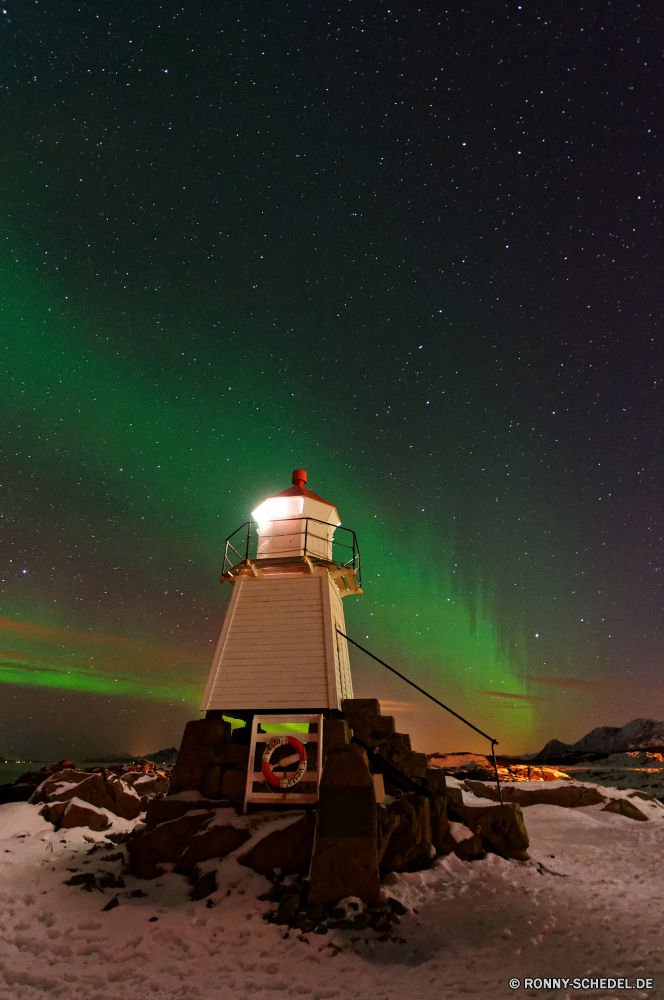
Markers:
(290, 778)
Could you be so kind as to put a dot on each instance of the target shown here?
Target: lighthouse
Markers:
(280, 651)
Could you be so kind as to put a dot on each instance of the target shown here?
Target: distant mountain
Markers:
(168, 756)
(635, 735)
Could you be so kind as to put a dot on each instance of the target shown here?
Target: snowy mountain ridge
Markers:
(635, 735)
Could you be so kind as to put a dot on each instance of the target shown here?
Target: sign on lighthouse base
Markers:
(284, 766)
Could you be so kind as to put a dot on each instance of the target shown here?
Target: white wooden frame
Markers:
(283, 798)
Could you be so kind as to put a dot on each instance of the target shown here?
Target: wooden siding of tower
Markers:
(278, 647)
(343, 681)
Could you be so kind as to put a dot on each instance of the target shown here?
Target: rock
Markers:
(35, 778)
(501, 829)
(454, 798)
(288, 849)
(409, 846)
(149, 784)
(364, 718)
(335, 732)
(211, 842)
(166, 842)
(482, 790)
(567, 796)
(205, 885)
(414, 765)
(85, 878)
(59, 785)
(642, 795)
(470, 849)
(200, 741)
(232, 755)
(79, 813)
(436, 783)
(18, 792)
(210, 781)
(104, 790)
(233, 785)
(125, 801)
(624, 808)
(110, 881)
(147, 871)
(440, 826)
(52, 812)
(345, 860)
(288, 910)
(160, 810)
(386, 822)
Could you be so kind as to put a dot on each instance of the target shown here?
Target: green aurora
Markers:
(166, 464)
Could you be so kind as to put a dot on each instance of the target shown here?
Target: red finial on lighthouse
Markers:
(299, 478)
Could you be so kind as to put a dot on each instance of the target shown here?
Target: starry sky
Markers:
(415, 251)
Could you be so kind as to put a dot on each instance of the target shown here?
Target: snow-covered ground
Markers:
(470, 926)
(624, 770)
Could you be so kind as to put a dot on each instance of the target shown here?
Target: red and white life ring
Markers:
(289, 778)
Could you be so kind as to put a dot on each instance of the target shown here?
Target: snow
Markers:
(471, 926)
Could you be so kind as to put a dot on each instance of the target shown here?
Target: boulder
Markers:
(454, 798)
(470, 849)
(104, 790)
(386, 822)
(125, 801)
(205, 885)
(232, 755)
(233, 785)
(364, 718)
(501, 828)
(567, 796)
(436, 783)
(166, 842)
(52, 812)
(17, 792)
(624, 808)
(79, 813)
(409, 846)
(160, 810)
(440, 826)
(288, 849)
(210, 781)
(202, 738)
(211, 842)
(345, 858)
(35, 778)
(58, 785)
(335, 732)
(148, 784)
(410, 763)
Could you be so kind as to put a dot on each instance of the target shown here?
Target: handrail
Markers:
(232, 557)
(426, 693)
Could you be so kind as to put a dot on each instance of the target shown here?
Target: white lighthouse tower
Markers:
(280, 651)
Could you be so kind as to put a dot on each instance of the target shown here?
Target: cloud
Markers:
(73, 638)
(573, 683)
(51, 656)
(387, 707)
(514, 697)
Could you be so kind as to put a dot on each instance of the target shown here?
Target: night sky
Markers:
(414, 251)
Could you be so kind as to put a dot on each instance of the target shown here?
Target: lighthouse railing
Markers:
(292, 538)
